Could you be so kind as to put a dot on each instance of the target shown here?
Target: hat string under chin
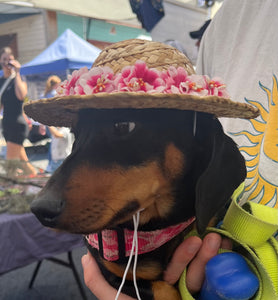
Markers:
(194, 123)
(134, 245)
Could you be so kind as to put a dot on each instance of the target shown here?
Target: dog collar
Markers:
(109, 241)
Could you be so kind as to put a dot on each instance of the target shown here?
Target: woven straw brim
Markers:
(63, 111)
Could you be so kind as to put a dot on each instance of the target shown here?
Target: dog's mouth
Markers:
(121, 218)
(55, 216)
(124, 214)
(109, 199)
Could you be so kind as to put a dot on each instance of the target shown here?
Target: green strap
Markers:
(185, 295)
(251, 227)
(252, 223)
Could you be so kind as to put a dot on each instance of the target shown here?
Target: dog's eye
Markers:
(123, 128)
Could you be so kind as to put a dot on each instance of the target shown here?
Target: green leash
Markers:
(251, 228)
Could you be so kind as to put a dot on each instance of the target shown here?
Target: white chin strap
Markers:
(134, 245)
(195, 123)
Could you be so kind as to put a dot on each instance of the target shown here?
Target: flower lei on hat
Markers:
(141, 79)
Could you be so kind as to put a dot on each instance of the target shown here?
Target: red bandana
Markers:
(147, 240)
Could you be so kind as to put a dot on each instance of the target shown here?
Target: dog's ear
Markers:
(224, 172)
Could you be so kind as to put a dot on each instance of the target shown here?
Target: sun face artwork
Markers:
(261, 152)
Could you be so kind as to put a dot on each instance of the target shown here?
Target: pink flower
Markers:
(174, 79)
(194, 85)
(97, 80)
(217, 88)
(139, 78)
(68, 87)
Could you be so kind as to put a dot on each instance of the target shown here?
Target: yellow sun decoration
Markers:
(262, 150)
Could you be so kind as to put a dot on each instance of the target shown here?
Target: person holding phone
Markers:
(13, 91)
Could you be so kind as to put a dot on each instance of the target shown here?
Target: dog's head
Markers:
(171, 164)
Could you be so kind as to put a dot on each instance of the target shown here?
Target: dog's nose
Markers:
(47, 209)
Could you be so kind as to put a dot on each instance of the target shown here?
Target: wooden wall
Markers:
(32, 34)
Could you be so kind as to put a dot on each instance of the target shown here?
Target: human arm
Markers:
(20, 85)
(28, 121)
(54, 132)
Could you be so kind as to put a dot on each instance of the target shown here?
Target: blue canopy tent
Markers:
(67, 52)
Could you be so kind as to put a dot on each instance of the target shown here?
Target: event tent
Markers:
(67, 52)
(117, 10)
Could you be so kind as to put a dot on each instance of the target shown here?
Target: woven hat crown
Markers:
(154, 54)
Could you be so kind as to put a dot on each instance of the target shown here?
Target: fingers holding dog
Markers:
(181, 258)
(194, 253)
(95, 281)
(196, 270)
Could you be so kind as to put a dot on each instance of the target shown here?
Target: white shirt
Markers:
(61, 147)
(241, 46)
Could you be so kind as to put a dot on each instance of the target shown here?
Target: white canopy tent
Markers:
(181, 16)
(116, 10)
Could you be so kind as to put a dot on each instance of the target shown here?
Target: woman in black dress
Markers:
(15, 128)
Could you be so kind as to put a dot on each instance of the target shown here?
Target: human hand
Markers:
(95, 281)
(42, 129)
(14, 64)
(193, 253)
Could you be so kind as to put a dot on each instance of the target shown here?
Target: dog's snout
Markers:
(47, 209)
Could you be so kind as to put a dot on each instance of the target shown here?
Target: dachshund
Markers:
(176, 169)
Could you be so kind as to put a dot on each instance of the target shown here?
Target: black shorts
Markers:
(15, 132)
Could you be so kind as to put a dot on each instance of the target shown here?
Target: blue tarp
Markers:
(67, 52)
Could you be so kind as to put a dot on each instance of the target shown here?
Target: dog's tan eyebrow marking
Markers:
(174, 161)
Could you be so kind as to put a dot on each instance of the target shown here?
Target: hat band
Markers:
(139, 78)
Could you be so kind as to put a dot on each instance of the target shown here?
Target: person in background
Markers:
(61, 137)
(197, 35)
(176, 44)
(60, 147)
(40, 130)
(52, 83)
(14, 122)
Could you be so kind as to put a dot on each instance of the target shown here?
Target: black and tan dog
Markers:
(171, 165)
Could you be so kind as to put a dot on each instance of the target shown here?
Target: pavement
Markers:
(53, 281)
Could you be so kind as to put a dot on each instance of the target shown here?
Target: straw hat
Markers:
(116, 88)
